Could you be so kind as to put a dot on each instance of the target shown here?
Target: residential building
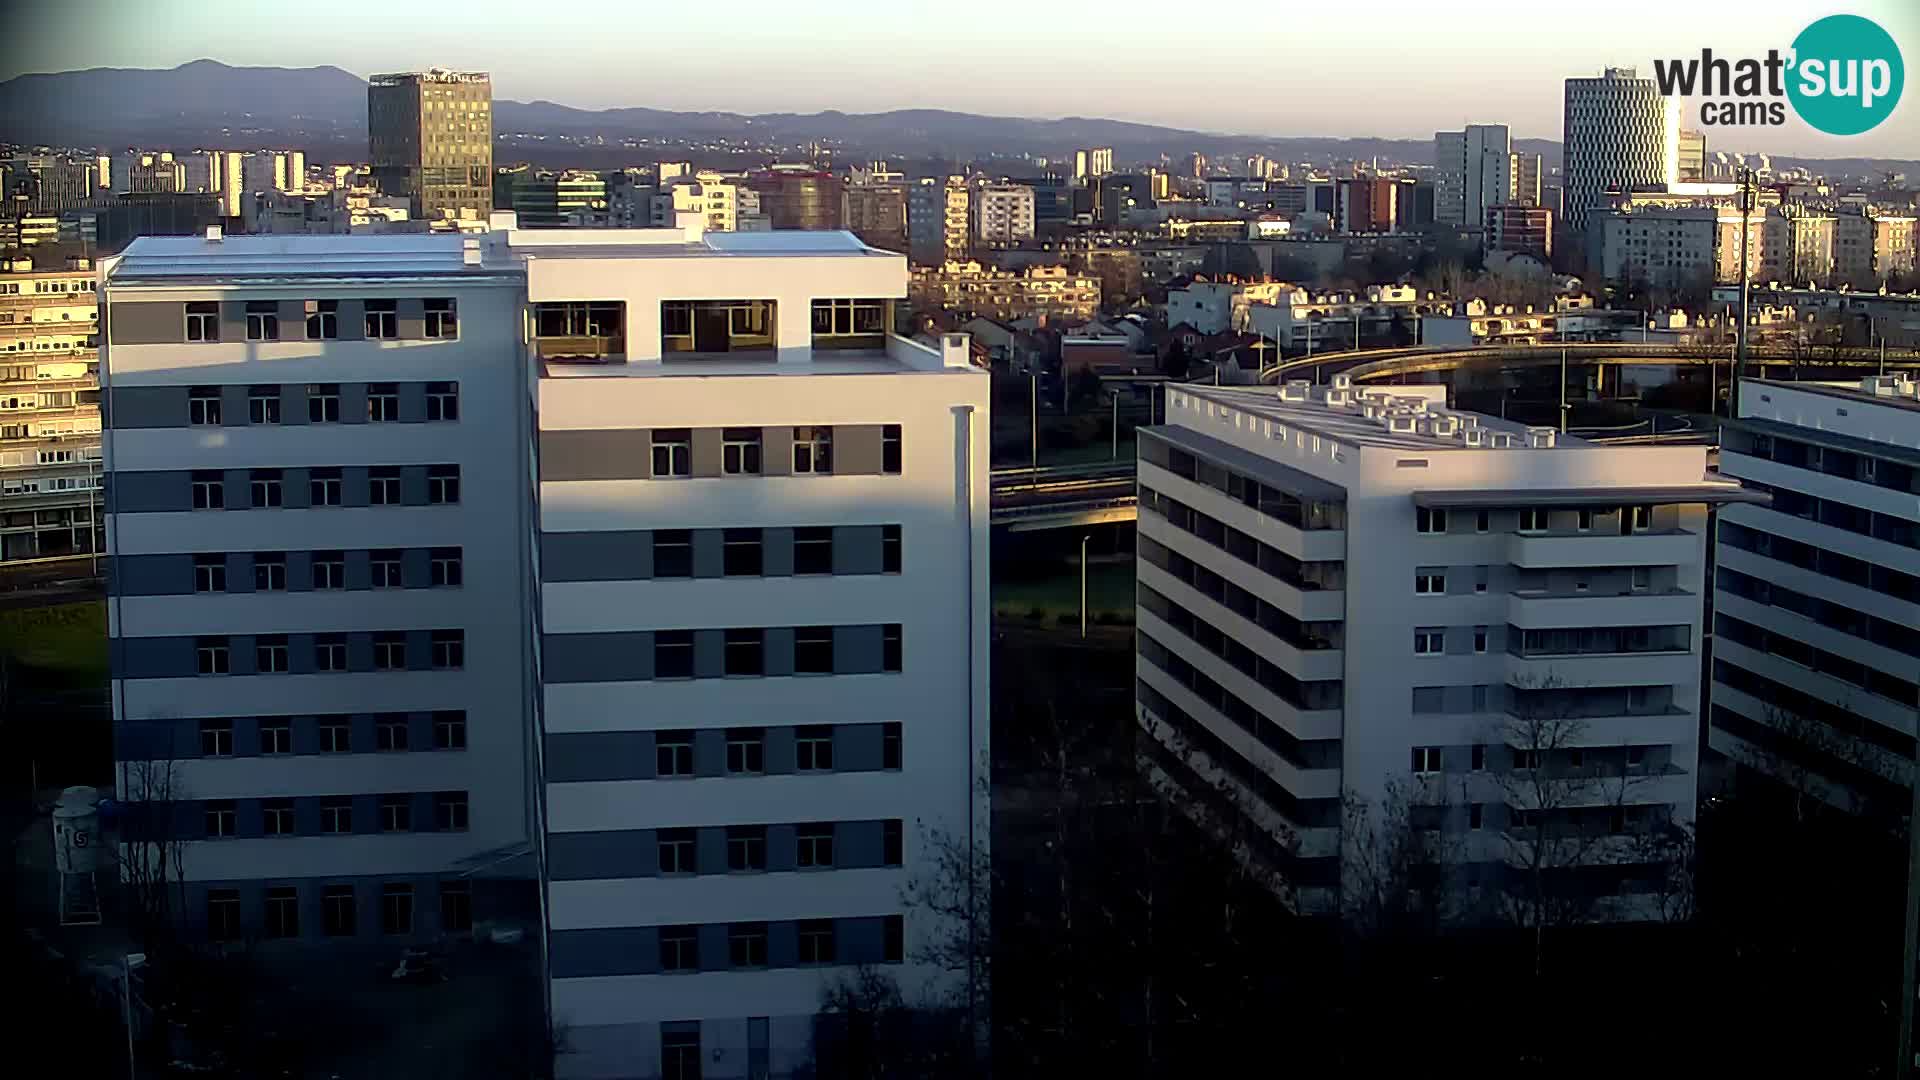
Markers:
(1620, 133)
(693, 663)
(876, 212)
(152, 172)
(51, 184)
(1817, 597)
(798, 197)
(970, 288)
(1870, 246)
(1120, 196)
(1526, 229)
(1366, 205)
(549, 199)
(49, 412)
(727, 204)
(1799, 246)
(431, 139)
(1092, 164)
(1213, 307)
(1352, 594)
(937, 220)
(1527, 170)
(1003, 214)
(1690, 164)
(1670, 248)
(278, 170)
(1301, 320)
(1472, 170)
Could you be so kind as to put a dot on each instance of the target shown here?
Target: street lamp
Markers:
(1083, 586)
(127, 964)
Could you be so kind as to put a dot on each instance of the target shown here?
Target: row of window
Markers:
(339, 911)
(744, 651)
(1833, 564)
(1277, 504)
(328, 568)
(747, 750)
(332, 733)
(741, 451)
(265, 403)
(266, 488)
(447, 651)
(281, 817)
(1270, 560)
(1534, 520)
(1840, 515)
(1301, 753)
(747, 949)
(743, 551)
(1276, 680)
(678, 854)
(1902, 692)
(1191, 736)
(1899, 636)
(380, 320)
(1861, 467)
(1560, 761)
(1301, 635)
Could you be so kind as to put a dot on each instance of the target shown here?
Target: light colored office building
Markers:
(1473, 169)
(1619, 134)
(1345, 588)
(725, 202)
(1093, 163)
(49, 414)
(1002, 214)
(1816, 657)
(728, 672)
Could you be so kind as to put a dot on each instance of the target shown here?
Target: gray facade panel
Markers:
(132, 323)
(783, 944)
(359, 574)
(611, 657)
(152, 575)
(859, 940)
(858, 845)
(239, 491)
(578, 954)
(856, 449)
(354, 486)
(353, 327)
(776, 552)
(709, 553)
(856, 747)
(710, 850)
(416, 568)
(778, 751)
(233, 406)
(353, 396)
(781, 845)
(413, 485)
(709, 654)
(856, 549)
(157, 658)
(413, 395)
(776, 451)
(412, 320)
(590, 856)
(706, 452)
(151, 492)
(596, 556)
(147, 407)
(779, 650)
(596, 455)
(233, 321)
(856, 650)
(710, 752)
(296, 490)
(293, 401)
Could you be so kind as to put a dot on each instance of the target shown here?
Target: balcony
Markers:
(1546, 551)
(580, 348)
(1530, 609)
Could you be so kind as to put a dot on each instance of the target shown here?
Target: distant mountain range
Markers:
(324, 110)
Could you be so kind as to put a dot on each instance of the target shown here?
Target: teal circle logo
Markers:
(1846, 75)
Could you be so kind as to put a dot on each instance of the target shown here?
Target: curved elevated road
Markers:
(1369, 364)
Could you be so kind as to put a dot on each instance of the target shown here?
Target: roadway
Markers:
(1369, 364)
(1060, 496)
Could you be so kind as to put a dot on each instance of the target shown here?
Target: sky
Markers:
(1387, 68)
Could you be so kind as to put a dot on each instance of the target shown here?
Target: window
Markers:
(449, 650)
(893, 939)
(443, 401)
(1533, 520)
(1636, 756)
(812, 450)
(890, 448)
(283, 912)
(263, 320)
(1474, 816)
(813, 550)
(1479, 579)
(1526, 759)
(456, 907)
(209, 573)
(336, 735)
(216, 738)
(889, 549)
(891, 747)
(746, 848)
(673, 753)
(840, 317)
(1427, 520)
(323, 319)
(740, 451)
(323, 487)
(276, 817)
(263, 405)
(816, 846)
(1479, 757)
(220, 818)
(383, 403)
(673, 654)
(816, 941)
(203, 321)
(383, 319)
(1577, 758)
(747, 945)
(676, 851)
(893, 842)
(336, 815)
(323, 402)
(1481, 521)
(336, 910)
(672, 452)
(390, 732)
(680, 951)
(210, 655)
(672, 553)
(679, 1048)
(813, 650)
(330, 652)
(390, 651)
(1583, 520)
(223, 914)
(1479, 639)
(1426, 760)
(396, 909)
(450, 730)
(1639, 518)
(1480, 698)
(270, 654)
(441, 320)
(1642, 578)
(385, 568)
(445, 568)
(209, 490)
(1429, 583)
(741, 553)
(203, 406)
(269, 571)
(1429, 699)
(329, 570)
(1429, 642)
(813, 749)
(443, 484)
(383, 485)
(891, 644)
(263, 488)
(450, 811)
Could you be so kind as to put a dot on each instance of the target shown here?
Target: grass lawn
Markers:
(1109, 589)
(66, 643)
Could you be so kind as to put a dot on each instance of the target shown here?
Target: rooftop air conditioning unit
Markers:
(1343, 382)
(1338, 398)
(1401, 424)
(1473, 437)
(1541, 438)
(1500, 440)
(1416, 405)
(1294, 390)
(1880, 385)
(1445, 426)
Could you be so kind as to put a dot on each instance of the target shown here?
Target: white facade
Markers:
(1473, 169)
(1003, 214)
(1212, 307)
(726, 204)
(1818, 597)
(1667, 248)
(1344, 588)
(1620, 133)
(49, 414)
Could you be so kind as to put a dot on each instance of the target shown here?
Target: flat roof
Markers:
(695, 365)
(1355, 429)
(1705, 491)
(1850, 391)
(1833, 440)
(673, 244)
(1266, 470)
(196, 258)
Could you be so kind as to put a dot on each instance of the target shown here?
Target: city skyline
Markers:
(762, 63)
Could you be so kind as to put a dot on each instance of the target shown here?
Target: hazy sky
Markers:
(1374, 67)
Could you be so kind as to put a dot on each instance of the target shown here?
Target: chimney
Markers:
(956, 350)
(470, 251)
(213, 234)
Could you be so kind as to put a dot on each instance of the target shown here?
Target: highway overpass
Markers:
(1367, 365)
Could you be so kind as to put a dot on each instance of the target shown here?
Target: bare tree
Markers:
(1400, 860)
(151, 849)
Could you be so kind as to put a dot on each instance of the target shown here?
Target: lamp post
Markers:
(1033, 417)
(1115, 456)
(1083, 585)
(127, 963)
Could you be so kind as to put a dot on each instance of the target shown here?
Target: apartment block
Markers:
(1002, 214)
(1473, 170)
(49, 413)
(1345, 591)
(937, 220)
(969, 287)
(1816, 658)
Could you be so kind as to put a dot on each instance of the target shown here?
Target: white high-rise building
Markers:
(1002, 214)
(725, 687)
(1620, 133)
(1473, 170)
(1350, 591)
(724, 202)
(1817, 602)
